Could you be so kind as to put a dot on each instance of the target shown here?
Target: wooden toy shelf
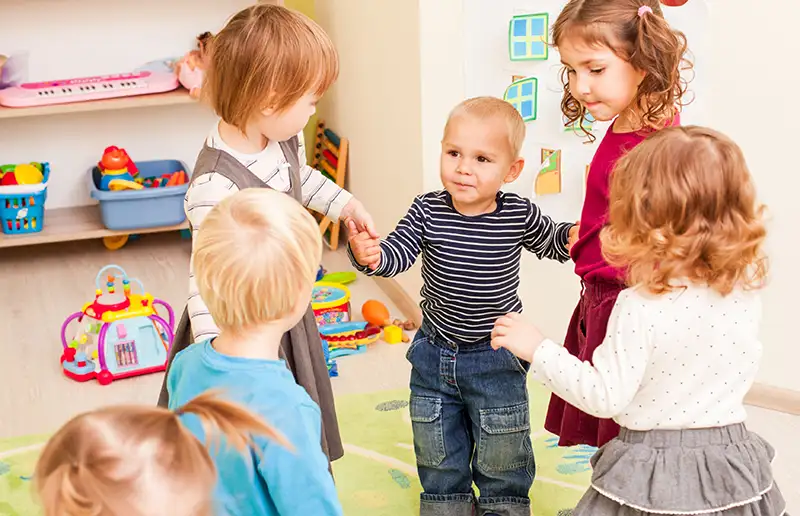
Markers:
(70, 224)
(171, 98)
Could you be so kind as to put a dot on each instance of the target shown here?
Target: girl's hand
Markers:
(517, 335)
(356, 212)
(366, 250)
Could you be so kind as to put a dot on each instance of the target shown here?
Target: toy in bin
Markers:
(23, 191)
(119, 172)
(119, 334)
(330, 302)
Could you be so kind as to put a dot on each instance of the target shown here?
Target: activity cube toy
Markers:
(120, 334)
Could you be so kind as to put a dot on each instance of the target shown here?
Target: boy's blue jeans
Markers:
(469, 412)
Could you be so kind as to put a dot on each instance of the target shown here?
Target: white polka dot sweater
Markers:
(675, 361)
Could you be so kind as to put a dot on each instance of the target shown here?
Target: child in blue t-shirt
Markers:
(255, 261)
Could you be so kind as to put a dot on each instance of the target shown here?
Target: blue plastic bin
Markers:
(22, 206)
(123, 210)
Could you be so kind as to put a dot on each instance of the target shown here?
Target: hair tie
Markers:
(645, 9)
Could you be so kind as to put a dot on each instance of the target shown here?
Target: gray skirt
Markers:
(722, 471)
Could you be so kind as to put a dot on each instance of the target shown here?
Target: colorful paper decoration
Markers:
(523, 96)
(527, 37)
(588, 124)
(548, 180)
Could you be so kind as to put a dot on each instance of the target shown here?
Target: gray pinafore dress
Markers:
(301, 346)
(723, 471)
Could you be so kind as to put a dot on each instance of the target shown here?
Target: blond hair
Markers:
(139, 460)
(683, 206)
(488, 107)
(255, 255)
(645, 41)
(267, 56)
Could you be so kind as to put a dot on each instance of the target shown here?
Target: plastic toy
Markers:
(191, 67)
(331, 303)
(342, 278)
(348, 338)
(13, 69)
(65, 91)
(22, 205)
(375, 313)
(118, 170)
(392, 334)
(120, 334)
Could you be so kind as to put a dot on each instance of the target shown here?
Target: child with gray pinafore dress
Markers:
(266, 70)
(682, 347)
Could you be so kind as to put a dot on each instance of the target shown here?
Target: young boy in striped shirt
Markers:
(469, 404)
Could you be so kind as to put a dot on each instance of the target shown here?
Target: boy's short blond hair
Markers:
(256, 252)
(267, 56)
(488, 107)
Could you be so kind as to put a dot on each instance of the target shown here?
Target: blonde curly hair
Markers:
(683, 207)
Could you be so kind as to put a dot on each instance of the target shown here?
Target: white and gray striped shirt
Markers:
(270, 165)
(470, 265)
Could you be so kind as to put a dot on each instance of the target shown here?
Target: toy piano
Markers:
(87, 88)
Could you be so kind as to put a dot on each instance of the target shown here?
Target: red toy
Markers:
(115, 158)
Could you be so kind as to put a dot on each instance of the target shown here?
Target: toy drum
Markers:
(330, 302)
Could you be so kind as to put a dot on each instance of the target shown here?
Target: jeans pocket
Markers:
(518, 365)
(505, 438)
(426, 421)
(418, 338)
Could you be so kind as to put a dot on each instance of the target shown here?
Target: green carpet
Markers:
(377, 476)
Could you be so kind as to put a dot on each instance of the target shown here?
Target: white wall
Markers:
(67, 39)
(376, 104)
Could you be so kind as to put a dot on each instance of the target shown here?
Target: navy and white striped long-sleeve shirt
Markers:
(470, 265)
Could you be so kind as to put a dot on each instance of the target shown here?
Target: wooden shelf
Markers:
(171, 98)
(70, 224)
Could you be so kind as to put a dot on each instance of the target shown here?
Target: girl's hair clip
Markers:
(645, 9)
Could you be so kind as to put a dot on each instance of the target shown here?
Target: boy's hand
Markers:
(573, 235)
(365, 248)
(517, 335)
(356, 212)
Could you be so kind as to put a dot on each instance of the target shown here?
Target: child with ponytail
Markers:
(622, 63)
(140, 460)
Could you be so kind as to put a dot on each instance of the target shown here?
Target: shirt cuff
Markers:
(338, 204)
(546, 353)
(562, 239)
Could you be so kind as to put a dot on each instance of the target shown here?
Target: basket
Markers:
(22, 206)
(123, 210)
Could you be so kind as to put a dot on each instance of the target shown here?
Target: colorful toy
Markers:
(330, 158)
(191, 67)
(22, 205)
(392, 334)
(331, 303)
(348, 338)
(375, 313)
(66, 91)
(120, 334)
(342, 278)
(118, 170)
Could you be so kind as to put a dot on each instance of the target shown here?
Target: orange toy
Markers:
(375, 312)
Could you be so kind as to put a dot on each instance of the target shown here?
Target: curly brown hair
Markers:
(647, 42)
(683, 207)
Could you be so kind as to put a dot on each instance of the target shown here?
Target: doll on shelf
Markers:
(191, 67)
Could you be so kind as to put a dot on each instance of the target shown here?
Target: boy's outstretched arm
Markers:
(397, 253)
(546, 238)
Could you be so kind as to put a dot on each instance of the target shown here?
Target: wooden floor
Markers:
(41, 285)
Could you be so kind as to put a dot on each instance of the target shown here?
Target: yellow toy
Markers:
(392, 334)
